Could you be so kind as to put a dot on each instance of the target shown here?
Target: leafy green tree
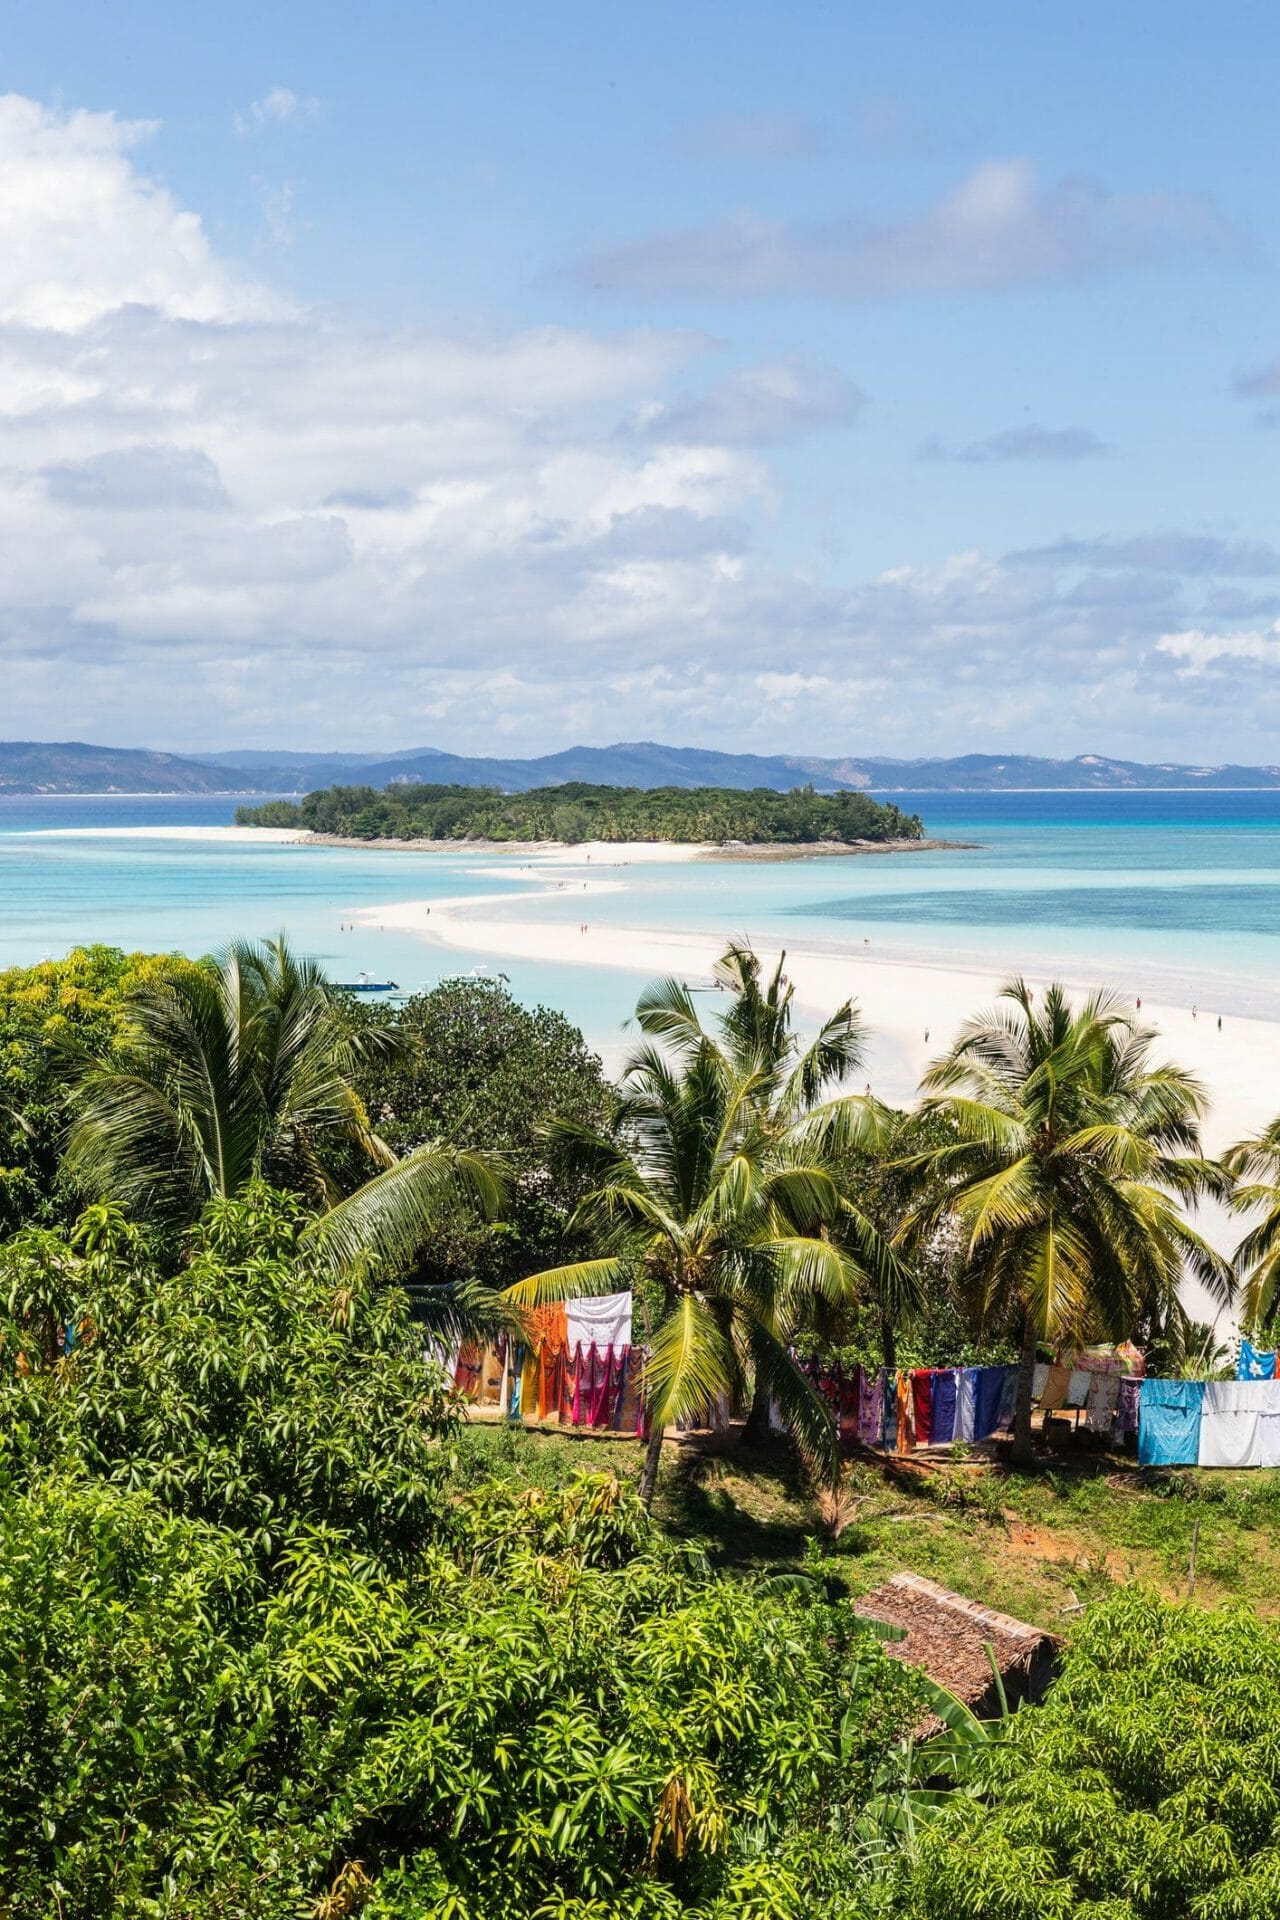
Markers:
(246, 1072)
(470, 1065)
(260, 1655)
(241, 1383)
(1072, 1158)
(716, 1216)
(1145, 1788)
(578, 810)
(53, 1017)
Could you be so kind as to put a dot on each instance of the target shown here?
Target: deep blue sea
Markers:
(1173, 895)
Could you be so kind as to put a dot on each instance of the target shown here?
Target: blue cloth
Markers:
(1253, 1365)
(990, 1392)
(944, 1405)
(517, 1368)
(1008, 1398)
(1169, 1422)
(889, 1434)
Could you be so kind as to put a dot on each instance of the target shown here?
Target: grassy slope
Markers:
(1034, 1546)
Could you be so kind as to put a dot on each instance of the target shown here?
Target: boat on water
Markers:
(365, 985)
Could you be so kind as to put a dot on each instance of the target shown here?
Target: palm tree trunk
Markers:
(888, 1344)
(1026, 1375)
(755, 1428)
(652, 1456)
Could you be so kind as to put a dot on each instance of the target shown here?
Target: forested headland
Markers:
(577, 811)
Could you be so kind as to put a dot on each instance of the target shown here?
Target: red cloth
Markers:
(922, 1396)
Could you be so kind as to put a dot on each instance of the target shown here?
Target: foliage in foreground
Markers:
(260, 1649)
(1146, 1788)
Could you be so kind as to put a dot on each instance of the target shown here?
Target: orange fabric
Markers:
(906, 1425)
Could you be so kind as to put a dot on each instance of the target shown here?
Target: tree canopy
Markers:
(577, 811)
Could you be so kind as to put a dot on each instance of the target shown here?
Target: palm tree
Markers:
(1070, 1159)
(694, 1200)
(1255, 1163)
(246, 1072)
(795, 1094)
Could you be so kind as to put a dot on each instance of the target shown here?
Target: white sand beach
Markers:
(911, 1009)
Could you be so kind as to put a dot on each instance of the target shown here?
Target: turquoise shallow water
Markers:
(1175, 896)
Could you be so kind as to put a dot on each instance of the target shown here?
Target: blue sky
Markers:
(867, 380)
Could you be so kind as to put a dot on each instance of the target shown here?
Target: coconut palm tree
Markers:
(695, 1201)
(1255, 1164)
(796, 1094)
(1071, 1160)
(246, 1072)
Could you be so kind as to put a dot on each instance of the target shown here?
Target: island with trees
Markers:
(577, 812)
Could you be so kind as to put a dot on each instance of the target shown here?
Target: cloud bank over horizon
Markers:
(226, 514)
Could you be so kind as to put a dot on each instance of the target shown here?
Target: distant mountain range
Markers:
(32, 767)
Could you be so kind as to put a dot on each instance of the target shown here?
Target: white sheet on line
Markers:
(1231, 1422)
(602, 1321)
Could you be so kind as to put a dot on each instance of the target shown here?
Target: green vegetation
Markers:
(267, 1653)
(1069, 1153)
(576, 811)
(283, 1638)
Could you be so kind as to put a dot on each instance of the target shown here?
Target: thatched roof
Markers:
(948, 1635)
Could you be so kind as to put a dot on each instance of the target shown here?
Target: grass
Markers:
(1036, 1545)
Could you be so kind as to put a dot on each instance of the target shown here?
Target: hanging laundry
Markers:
(466, 1372)
(601, 1321)
(945, 1384)
(1078, 1386)
(631, 1410)
(1127, 1407)
(1055, 1389)
(1008, 1399)
(1169, 1422)
(1102, 1402)
(871, 1407)
(922, 1404)
(1039, 1380)
(905, 1435)
(989, 1393)
(848, 1408)
(492, 1369)
(1230, 1415)
(966, 1403)
(517, 1381)
(1252, 1365)
(597, 1407)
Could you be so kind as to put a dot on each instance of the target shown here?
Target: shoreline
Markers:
(629, 850)
(912, 1010)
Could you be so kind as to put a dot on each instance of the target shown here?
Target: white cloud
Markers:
(83, 233)
(1000, 228)
(1031, 442)
(217, 514)
(281, 106)
(759, 406)
(1198, 652)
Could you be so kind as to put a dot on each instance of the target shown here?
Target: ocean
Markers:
(1175, 896)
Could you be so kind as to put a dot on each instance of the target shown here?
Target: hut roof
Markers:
(948, 1636)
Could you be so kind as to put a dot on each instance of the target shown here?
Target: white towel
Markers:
(1231, 1422)
(966, 1399)
(1078, 1387)
(1039, 1379)
(602, 1321)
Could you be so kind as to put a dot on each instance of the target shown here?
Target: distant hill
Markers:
(35, 766)
(73, 767)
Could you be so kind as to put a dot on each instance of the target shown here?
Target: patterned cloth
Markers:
(1103, 1400)
(966, 1403)
(922, 1404)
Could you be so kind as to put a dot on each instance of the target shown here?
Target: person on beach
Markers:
(1194, 1012)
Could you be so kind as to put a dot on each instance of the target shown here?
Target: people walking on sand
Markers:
(1219, 1023)
(1139, 1003)
(1194, 1012)
(926, 1036)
